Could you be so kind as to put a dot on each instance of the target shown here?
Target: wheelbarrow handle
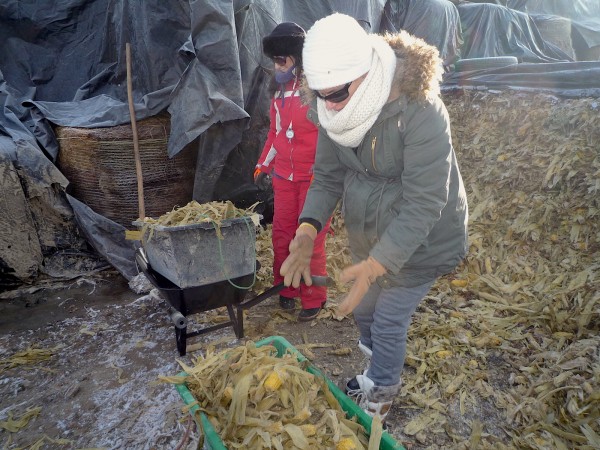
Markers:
(318, 280)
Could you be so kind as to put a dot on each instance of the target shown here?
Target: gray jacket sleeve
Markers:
(425, 186)
(328, 184)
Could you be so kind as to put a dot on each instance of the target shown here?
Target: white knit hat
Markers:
(336, 50)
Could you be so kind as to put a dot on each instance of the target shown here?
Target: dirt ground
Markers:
(105, 347)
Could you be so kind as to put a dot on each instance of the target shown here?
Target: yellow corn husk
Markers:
(345, 444)
(488, 265)
(228, 394)
(495, 341)
(259, 373)
(459, 283)
(309, 429)
(274, 428)
(302, 415)
(273, 382)
(443, 354)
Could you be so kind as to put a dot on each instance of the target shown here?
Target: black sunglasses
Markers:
(336, 97)
(279, 60)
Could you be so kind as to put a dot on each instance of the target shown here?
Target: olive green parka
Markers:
(403, 199)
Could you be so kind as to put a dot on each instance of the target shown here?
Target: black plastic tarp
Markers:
(67, 59)
(62, 62)
(435, 21)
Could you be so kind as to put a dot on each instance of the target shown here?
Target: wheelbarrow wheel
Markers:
(180, 336)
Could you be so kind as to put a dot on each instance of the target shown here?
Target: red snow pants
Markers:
(288, 202)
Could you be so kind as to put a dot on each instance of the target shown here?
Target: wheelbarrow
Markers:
(191, 300)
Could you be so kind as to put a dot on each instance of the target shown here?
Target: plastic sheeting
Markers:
(584, 14)
(494, 30)
(417, 17)
(575, 79)
(62, 62)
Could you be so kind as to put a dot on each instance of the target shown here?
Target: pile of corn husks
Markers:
(255, 399)
(511, 339)
(194, 212)
(517, 324)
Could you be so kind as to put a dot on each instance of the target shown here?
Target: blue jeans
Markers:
(383, 318)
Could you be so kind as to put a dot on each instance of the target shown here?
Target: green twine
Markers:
(251, 232)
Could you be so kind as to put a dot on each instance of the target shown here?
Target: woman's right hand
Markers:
(296, 267)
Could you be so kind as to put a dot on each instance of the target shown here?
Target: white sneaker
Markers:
(366, 350)
(375, 400)
(352, 388)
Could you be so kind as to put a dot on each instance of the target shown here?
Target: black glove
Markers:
(263, 181)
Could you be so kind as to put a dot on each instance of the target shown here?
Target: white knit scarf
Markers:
(349, 126)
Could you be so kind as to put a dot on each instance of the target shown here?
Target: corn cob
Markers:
(346, 444)
(309, 429)
(273, 381)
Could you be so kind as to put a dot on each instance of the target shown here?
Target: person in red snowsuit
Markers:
(288, 157)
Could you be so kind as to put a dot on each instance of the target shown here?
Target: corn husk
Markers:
(194, 212)
(14, 425)
(28, 357)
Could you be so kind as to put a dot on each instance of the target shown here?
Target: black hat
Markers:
(286, 39)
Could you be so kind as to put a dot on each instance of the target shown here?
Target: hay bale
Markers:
(557, 30)
(100, 165)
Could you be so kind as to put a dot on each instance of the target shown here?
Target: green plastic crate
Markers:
(212, 440)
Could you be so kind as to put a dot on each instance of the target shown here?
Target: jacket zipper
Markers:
(290, 141)
(373, 143)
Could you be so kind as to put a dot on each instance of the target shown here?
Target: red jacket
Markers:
(290, 158)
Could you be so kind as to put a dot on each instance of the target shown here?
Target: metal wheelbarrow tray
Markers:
(198, 254)
(212, 440)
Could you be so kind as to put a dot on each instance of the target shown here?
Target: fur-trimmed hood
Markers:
(418, 69)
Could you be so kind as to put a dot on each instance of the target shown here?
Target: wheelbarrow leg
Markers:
(240, 323)
(181, 338)
(237, 320)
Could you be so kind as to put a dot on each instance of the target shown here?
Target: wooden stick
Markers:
(136, 148)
